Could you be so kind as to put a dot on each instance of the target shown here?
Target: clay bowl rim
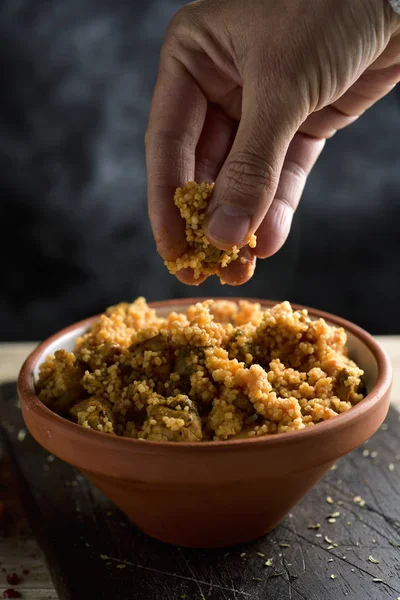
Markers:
(382, 387)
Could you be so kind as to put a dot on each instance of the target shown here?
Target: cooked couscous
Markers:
(192, 201)
(220, 370)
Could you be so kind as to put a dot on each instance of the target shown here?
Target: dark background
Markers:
(76, 82)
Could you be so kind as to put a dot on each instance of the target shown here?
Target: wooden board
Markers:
(94, 552)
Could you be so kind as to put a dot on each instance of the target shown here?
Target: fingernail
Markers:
(229, 225)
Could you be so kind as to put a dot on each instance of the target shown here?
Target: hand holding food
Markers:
(202, 258)
(246, 95)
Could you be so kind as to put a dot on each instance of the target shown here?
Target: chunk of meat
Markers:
(241, 349)
(106, 354)
(176, 420)
(152, 359)
(186, 363)
(348, 387)
(94, 413)
(59, 385)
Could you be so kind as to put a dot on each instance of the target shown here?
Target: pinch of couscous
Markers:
(202, 257)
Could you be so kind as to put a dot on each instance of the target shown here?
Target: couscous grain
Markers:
(220, 370)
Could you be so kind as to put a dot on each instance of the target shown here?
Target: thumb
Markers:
(248, 180)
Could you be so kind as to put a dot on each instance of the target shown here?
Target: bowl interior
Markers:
(358, 350)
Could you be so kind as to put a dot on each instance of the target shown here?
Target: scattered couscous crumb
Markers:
(316, 526)
(203, 258)
(268, 563)
(373, 560)
(21, 435)
(329, 500)
(220, 370)
(333, 576)
(391, 467)
(358, 500)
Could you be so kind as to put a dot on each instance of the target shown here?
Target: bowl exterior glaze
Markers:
(210, 494)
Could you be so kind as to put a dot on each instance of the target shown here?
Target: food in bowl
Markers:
(220, 370)
(202, 257)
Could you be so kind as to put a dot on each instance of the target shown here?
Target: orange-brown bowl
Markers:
(209, 494)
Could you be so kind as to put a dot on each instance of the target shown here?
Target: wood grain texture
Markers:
(19, 550)
(87, 539)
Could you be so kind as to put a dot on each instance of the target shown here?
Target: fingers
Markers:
(187, 276)
(301, 156)
(214, 144)
(240, 270)
(176, 120)
(236, 273)
(326, 122)
(373, 85)
(249, 177)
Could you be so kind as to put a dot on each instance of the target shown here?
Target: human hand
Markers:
(247, 93)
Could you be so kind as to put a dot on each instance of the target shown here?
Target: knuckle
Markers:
(288, 197)
(284, 202)
(249, 174)
(174, 31)
(178, 20)
(295, 170)
(180, 23)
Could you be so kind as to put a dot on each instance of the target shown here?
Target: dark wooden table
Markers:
(93, 552)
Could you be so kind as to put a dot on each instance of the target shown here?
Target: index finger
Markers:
(177, 116)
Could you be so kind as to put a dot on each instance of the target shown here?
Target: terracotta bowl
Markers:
(209, 494)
